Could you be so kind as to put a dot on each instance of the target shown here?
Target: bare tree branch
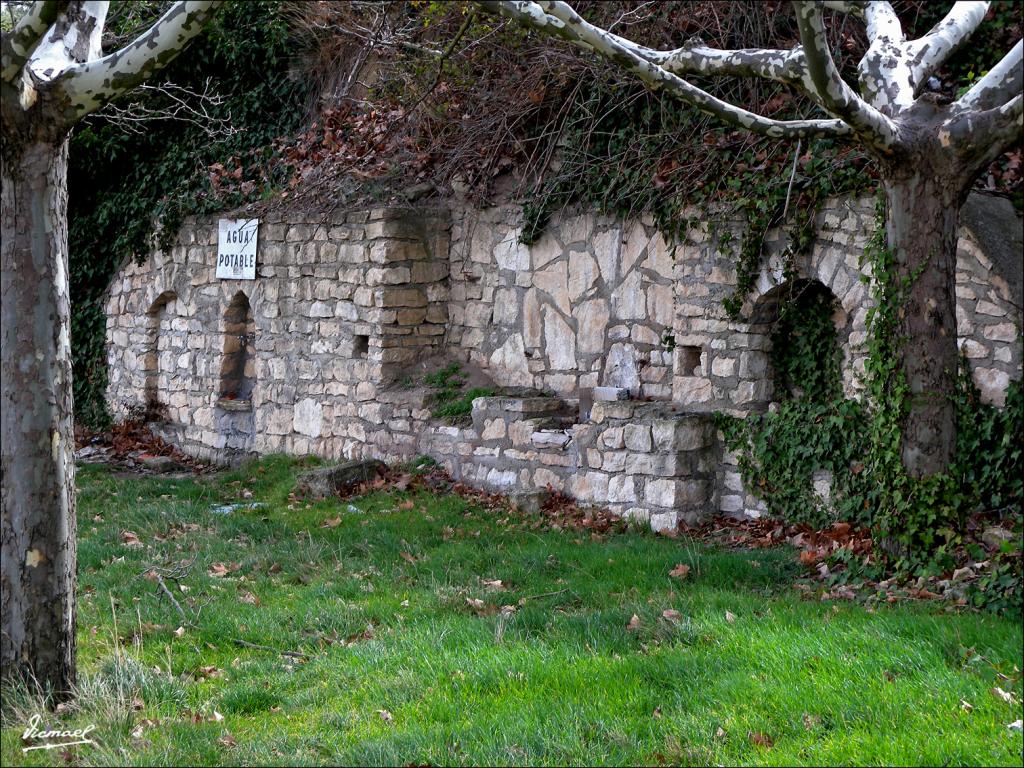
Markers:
(184, 106)
(831, 91)
(17, 45)
(1000, 84)
(928, 53)
(90, 85)
(631, 57)
(788, 67)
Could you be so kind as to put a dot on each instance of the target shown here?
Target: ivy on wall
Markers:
(122, 183)
(919, 522)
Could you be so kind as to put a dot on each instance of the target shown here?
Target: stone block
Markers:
(610, 394)
(555, 438)
(664, 522)
(329, 481)
(589, 486)
(621, 488)
(494, 429)
(638, 437)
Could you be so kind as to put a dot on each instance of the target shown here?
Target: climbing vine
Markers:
(124, 186)
(918, 522)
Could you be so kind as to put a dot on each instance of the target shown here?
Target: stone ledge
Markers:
(232, 404)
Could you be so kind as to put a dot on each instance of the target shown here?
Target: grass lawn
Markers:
(747, 673)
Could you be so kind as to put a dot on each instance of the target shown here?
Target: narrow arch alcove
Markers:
(237, 373)
(806, 317)
(155, 365)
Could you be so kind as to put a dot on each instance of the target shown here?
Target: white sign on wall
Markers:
(236, 248)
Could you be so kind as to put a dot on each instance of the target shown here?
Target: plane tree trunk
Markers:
(37, 534)
(921, 232)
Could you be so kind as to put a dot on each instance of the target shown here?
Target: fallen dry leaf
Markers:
(1006, 696)
(479, 607)
(216, 717)
(634, 624)
(966, 706)
(248, 597)
(386, 716)
(333, 522)
(206, 672)
(407, 557)
(730, 617)
(179, 632)
(131, 540)
(657, 713)
(681, 571)
(761, 739)
(406, 505)
(720, 732)
(1016, 725)
(495, 584)
(366, 634)
(671, 615)
(227, 740)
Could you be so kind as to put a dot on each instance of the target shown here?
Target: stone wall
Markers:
(341, 308)
(600, 302)
(338, 306)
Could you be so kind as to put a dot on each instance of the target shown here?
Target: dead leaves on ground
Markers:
(761, 739)
(219, 570)
(1006, 696)
(681, 571)
(481, 608)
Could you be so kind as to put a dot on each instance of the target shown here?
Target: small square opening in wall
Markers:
(360, 346)
(691, 361)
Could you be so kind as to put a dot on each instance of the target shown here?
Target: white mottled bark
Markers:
(830, 90)
(1000, 84)
(19, 44)
(885, 74)
(92, 84)
(928, 53)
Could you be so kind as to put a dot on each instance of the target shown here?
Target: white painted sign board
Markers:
(236, 248)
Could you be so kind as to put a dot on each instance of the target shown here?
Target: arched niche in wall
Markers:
(788, 315)
(237, 372)
(156, 365)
